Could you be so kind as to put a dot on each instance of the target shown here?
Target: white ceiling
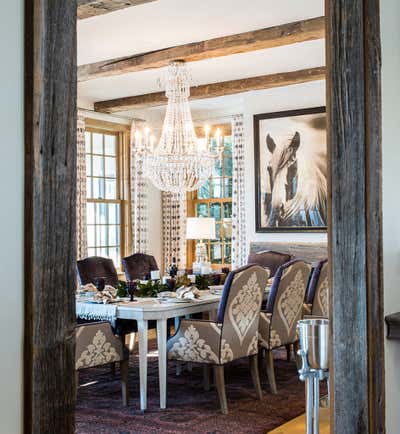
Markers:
(167, 23)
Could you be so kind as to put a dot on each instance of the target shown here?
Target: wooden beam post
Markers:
(354, 114)
(214, 90)
(285, 34)
(50, 195)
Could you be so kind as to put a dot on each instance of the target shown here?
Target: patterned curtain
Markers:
(239, 243)
(81, 229)
(139, 206)
(174, 229)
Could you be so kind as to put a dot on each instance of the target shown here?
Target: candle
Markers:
(207, 132)
(152, 141)
(219, 140)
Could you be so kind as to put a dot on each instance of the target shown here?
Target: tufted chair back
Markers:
(285, 303)
(269, 259)
(239, 311)
(138, 266)
(95, 266)
(319, 290)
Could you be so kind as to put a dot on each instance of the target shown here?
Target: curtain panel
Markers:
(239, 242)
(81, 228)
(139, 200)
(174, 216)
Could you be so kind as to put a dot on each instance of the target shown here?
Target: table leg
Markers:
(162, 360)
(189, 365)
(143, 332)
(177, 320)
(212, 315)
(176, 323)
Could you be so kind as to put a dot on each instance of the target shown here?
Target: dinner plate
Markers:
(174, 300)
(99, 301)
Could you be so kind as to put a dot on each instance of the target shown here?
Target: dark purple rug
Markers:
(190, 408)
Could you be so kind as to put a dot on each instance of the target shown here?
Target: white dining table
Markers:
(145, 309)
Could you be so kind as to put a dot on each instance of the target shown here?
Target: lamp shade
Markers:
(200, 228)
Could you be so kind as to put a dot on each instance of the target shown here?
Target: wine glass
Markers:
(99, 283)
(132, 288)
(171, 283)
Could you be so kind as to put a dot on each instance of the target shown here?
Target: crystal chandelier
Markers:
(180, 162)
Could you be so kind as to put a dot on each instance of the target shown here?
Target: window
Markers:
(214, 199)
(105, 204)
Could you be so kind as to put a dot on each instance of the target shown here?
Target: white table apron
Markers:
(148, 309)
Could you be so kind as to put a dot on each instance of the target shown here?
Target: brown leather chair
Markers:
(269, 259)
(95, 266)
(138, 266)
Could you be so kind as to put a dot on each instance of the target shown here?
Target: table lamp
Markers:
(200, 228)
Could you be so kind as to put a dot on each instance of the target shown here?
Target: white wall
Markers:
(11, 215)
(390, 14)
(273, 100)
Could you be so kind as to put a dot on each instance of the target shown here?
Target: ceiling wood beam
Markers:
(214, 90)
(286, 34)
(92, 8)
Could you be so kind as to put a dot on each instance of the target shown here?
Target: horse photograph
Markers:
(291, 170)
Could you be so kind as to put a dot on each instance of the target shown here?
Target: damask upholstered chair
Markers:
(97, 345)
(95, 266)
(233, 335)
(318, 291)
(269, 259)
(284, 308)
(138, 266)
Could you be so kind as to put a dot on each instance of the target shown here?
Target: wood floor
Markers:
(298, 425)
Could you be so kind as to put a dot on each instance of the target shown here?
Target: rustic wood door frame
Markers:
(355, 227)
(50, 198)
(353, 59)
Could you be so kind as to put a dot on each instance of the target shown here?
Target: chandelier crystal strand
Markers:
(179, 163)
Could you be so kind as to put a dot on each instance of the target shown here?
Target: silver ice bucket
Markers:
(314, 340)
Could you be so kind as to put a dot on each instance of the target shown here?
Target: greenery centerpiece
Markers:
(122, 290)
(150, 288)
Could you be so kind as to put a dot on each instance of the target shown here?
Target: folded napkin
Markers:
(101, 312)
(87, 288)
(108, 295)
(188, 292)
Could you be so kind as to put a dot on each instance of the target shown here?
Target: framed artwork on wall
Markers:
(290, 160)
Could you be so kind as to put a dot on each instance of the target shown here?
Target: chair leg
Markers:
(76, 384)
(288, 352)
(124, 368)
(253, 360)
(261, 357)
(271, 372)
(220, 383)
(206, 377)
(132, 340)
(178, 368)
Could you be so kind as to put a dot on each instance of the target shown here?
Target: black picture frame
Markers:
(257, 170)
